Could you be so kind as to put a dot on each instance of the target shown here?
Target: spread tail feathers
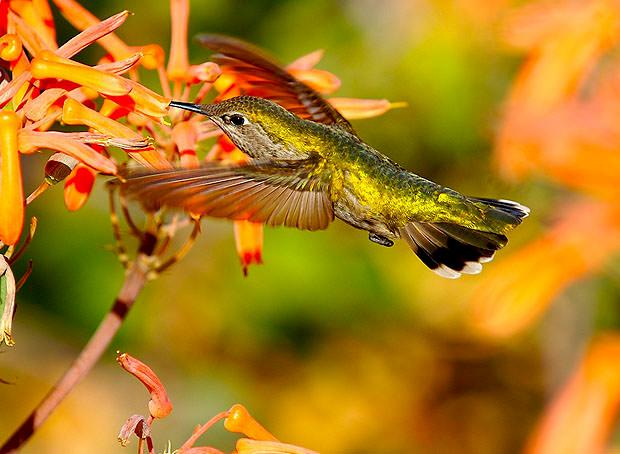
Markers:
(451, 249)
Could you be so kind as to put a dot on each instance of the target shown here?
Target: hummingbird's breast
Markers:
(366, 190)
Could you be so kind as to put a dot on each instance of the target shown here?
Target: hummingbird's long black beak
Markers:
(198, 108)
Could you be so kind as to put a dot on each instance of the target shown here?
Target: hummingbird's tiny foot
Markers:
(383, 241)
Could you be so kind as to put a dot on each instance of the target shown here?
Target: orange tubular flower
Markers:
(11, 192)
(249, 242)
(178, 62)
(583, 415)
(82, 19)
(517, 290)
(159, 405)
(74, 113)
(38, 15)
(239, 420)
(104, 83)
(355, 108)
(184, 135)
(31, 141)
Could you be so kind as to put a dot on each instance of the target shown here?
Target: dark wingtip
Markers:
(198, 108)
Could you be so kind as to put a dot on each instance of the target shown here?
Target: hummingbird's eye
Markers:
(235, 119)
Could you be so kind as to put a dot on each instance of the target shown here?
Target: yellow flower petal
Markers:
(153, 56)
(355, 108)
(239, 420)
(76, 113)
(11, 190)
(37, 108)
(322, 81)
(307, 61)
(147, 101)
(10, 91)
(104, 83)
(96, 31)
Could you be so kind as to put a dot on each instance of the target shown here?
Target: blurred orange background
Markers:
(337, 344)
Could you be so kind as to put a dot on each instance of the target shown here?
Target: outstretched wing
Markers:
(259, 75)
(288, 193)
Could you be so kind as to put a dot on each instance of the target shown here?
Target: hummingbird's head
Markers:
(257, 126)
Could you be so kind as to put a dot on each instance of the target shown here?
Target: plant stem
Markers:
(90, 354)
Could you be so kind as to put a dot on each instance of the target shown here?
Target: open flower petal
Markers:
(82, 19)
(37, 108)
(306, 62)
(76, 113)
(91, 34)
(322, 81)
(356, 108)
(31, 141)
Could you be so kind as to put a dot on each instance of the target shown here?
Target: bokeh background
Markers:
(335, 343)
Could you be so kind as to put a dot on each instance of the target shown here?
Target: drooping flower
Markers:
(159, 405)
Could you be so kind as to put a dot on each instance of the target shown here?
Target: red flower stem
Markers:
(200, 430)
(90, 354)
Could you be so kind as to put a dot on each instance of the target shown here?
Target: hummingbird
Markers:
(308, 166)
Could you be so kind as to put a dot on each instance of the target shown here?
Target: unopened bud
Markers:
(239, 420)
